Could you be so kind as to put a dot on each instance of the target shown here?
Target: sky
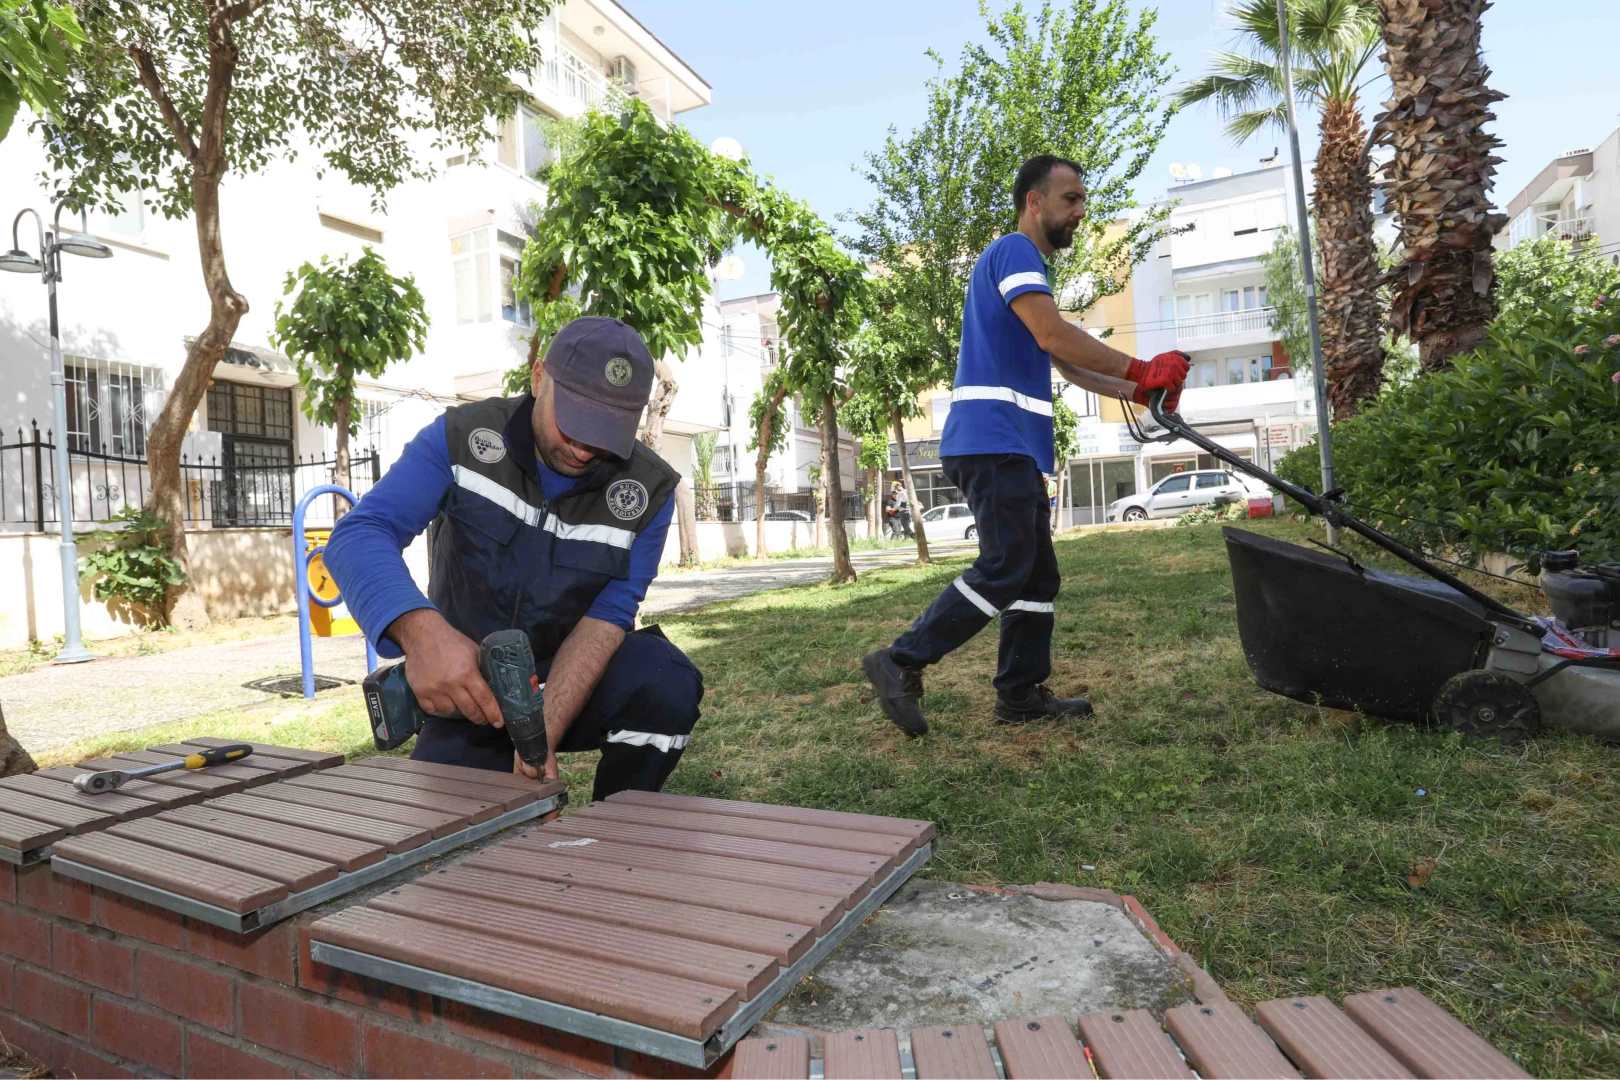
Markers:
(810, 86)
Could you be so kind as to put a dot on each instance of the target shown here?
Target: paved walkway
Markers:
(56, 706)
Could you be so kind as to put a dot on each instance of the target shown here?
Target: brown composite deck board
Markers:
(217, 885)
(160, 795)
(345, 853)
(1323, 1041)
(844, 888)
(1425, 1038)
(321, 759)
(745, 972)
(784, 1057)
(952, 1053)
(894, 848)
(75, 819)
(297, 872)
(393, 836)
(474, 810)
(506, 798)
(437, 822)
(481, 776)
(820, 912)
(194, 780)
(1131, 1044)
(920, 831)
(867, 867)
(692, 1009)
(250, 777)
(282, 767)
(856, 1055)
(1222, 1043)
(786, 941)
(1039, 1048)
(26, 834)
(119, 806)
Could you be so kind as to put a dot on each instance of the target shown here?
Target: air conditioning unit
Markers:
(623, 72)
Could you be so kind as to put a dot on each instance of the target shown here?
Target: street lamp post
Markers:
(49, 266)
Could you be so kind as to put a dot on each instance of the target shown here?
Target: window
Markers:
(257, 412)
(726, 346)
(109, 406)
(939, 407)
(1235, 369)
(1203, 374)
(520, 142)
(959, 512)
(1198, 304)
(1268, 213)
(1232, 300)
(373, 426)
(131, 217)
(1085, 404)
(1254, 296)
(725, 408)
(1175, 484)
(1167, 310)
(255, 478)
(514, 309)
(1244, 219)
(1211, 480)
(469, 254)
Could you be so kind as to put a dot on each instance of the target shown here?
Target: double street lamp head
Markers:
(18, 261)
(82, 243)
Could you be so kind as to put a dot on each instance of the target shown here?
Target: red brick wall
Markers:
(97, 985)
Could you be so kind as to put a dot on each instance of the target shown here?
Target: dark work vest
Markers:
(502, 556)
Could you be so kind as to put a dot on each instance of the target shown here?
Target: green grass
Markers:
(859, 544)
(1270, 839)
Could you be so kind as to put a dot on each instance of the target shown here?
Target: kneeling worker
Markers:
(546, 515)
(996, 445)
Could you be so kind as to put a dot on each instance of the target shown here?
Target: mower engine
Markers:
(1585, 599)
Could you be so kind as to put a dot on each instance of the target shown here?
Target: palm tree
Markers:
(1441, 174)
(1331, 43)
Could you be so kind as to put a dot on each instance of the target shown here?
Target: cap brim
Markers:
(590, 422)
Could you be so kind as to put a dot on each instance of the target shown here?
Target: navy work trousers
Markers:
(1015, 576)
(640, 716)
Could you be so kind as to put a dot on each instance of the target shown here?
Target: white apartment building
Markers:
(1575, 198)
(125, 321)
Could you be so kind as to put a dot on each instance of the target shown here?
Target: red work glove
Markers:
(1167, 371)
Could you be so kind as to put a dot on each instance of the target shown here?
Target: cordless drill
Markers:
(507, 664)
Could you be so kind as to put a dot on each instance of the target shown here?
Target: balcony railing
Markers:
(1225, 322)
(570, 76)
(1573, 229)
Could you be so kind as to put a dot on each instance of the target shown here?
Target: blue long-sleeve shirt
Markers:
(364, 552)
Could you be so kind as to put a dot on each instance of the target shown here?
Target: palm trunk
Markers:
(911, 489)
(1441, 173)
(1352, 322)
(652, 436)
(843, 567)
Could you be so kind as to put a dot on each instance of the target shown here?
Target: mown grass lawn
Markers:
(1271, 839)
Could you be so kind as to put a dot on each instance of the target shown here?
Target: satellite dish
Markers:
(1176, 170)
(730, 268)
(1195, 172)
(727, 147)
(1220, 172)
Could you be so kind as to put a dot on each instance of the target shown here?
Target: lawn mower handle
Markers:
(1325, 506)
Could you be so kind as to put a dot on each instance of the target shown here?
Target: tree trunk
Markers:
(843, 568)
(820, 492)
(341, 408)
(1352, 322)
(767, 425)
(226, 308)
(874, 503)
(1057, 510)
(1441, 174)
(652, 436)
(13, 758)
(911, 489)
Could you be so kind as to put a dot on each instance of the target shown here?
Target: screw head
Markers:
(1033, 1025)
(1206, 1011)
(770, 1046)
(1390, 998)
(1299, 1004)
(1117, 1018)
(860, 1038)
(945, 1034)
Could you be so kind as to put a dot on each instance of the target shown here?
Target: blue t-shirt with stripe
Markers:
(1001, 402)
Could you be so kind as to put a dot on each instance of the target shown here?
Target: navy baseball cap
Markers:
(602, 376)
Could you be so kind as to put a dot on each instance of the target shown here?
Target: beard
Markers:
(1059, 236)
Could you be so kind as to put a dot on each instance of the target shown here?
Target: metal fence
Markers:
(738, 501)
(217, 493)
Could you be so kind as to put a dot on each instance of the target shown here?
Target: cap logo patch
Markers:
(619, 372)
(486, 445)
(627, 499)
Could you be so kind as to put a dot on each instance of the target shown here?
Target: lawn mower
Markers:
(1320, 627)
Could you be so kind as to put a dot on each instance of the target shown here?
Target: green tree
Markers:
(1065, 442)
(703, 444)
(170, 99)
(769, 423)
(1331, 42)
(348, 319)
(35, 39)
(1547, 274)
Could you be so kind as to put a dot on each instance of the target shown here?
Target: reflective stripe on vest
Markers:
(505, 498)
(1002, 393)
(597, 534)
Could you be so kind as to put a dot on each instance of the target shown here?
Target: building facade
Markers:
(1575, 198)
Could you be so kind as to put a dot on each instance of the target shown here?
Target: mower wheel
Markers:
(1486, 705)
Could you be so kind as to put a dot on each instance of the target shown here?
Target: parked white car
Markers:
(954, 516)
(1178, 493)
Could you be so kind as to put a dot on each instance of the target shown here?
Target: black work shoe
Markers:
(899, 691)
(1039, 704)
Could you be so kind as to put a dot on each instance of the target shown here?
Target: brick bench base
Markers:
(94, 984)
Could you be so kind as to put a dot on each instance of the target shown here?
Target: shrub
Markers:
(132, 564)
(1515, 448)
(1203, 515)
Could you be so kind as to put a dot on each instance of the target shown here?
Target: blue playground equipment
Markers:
(301, 557)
